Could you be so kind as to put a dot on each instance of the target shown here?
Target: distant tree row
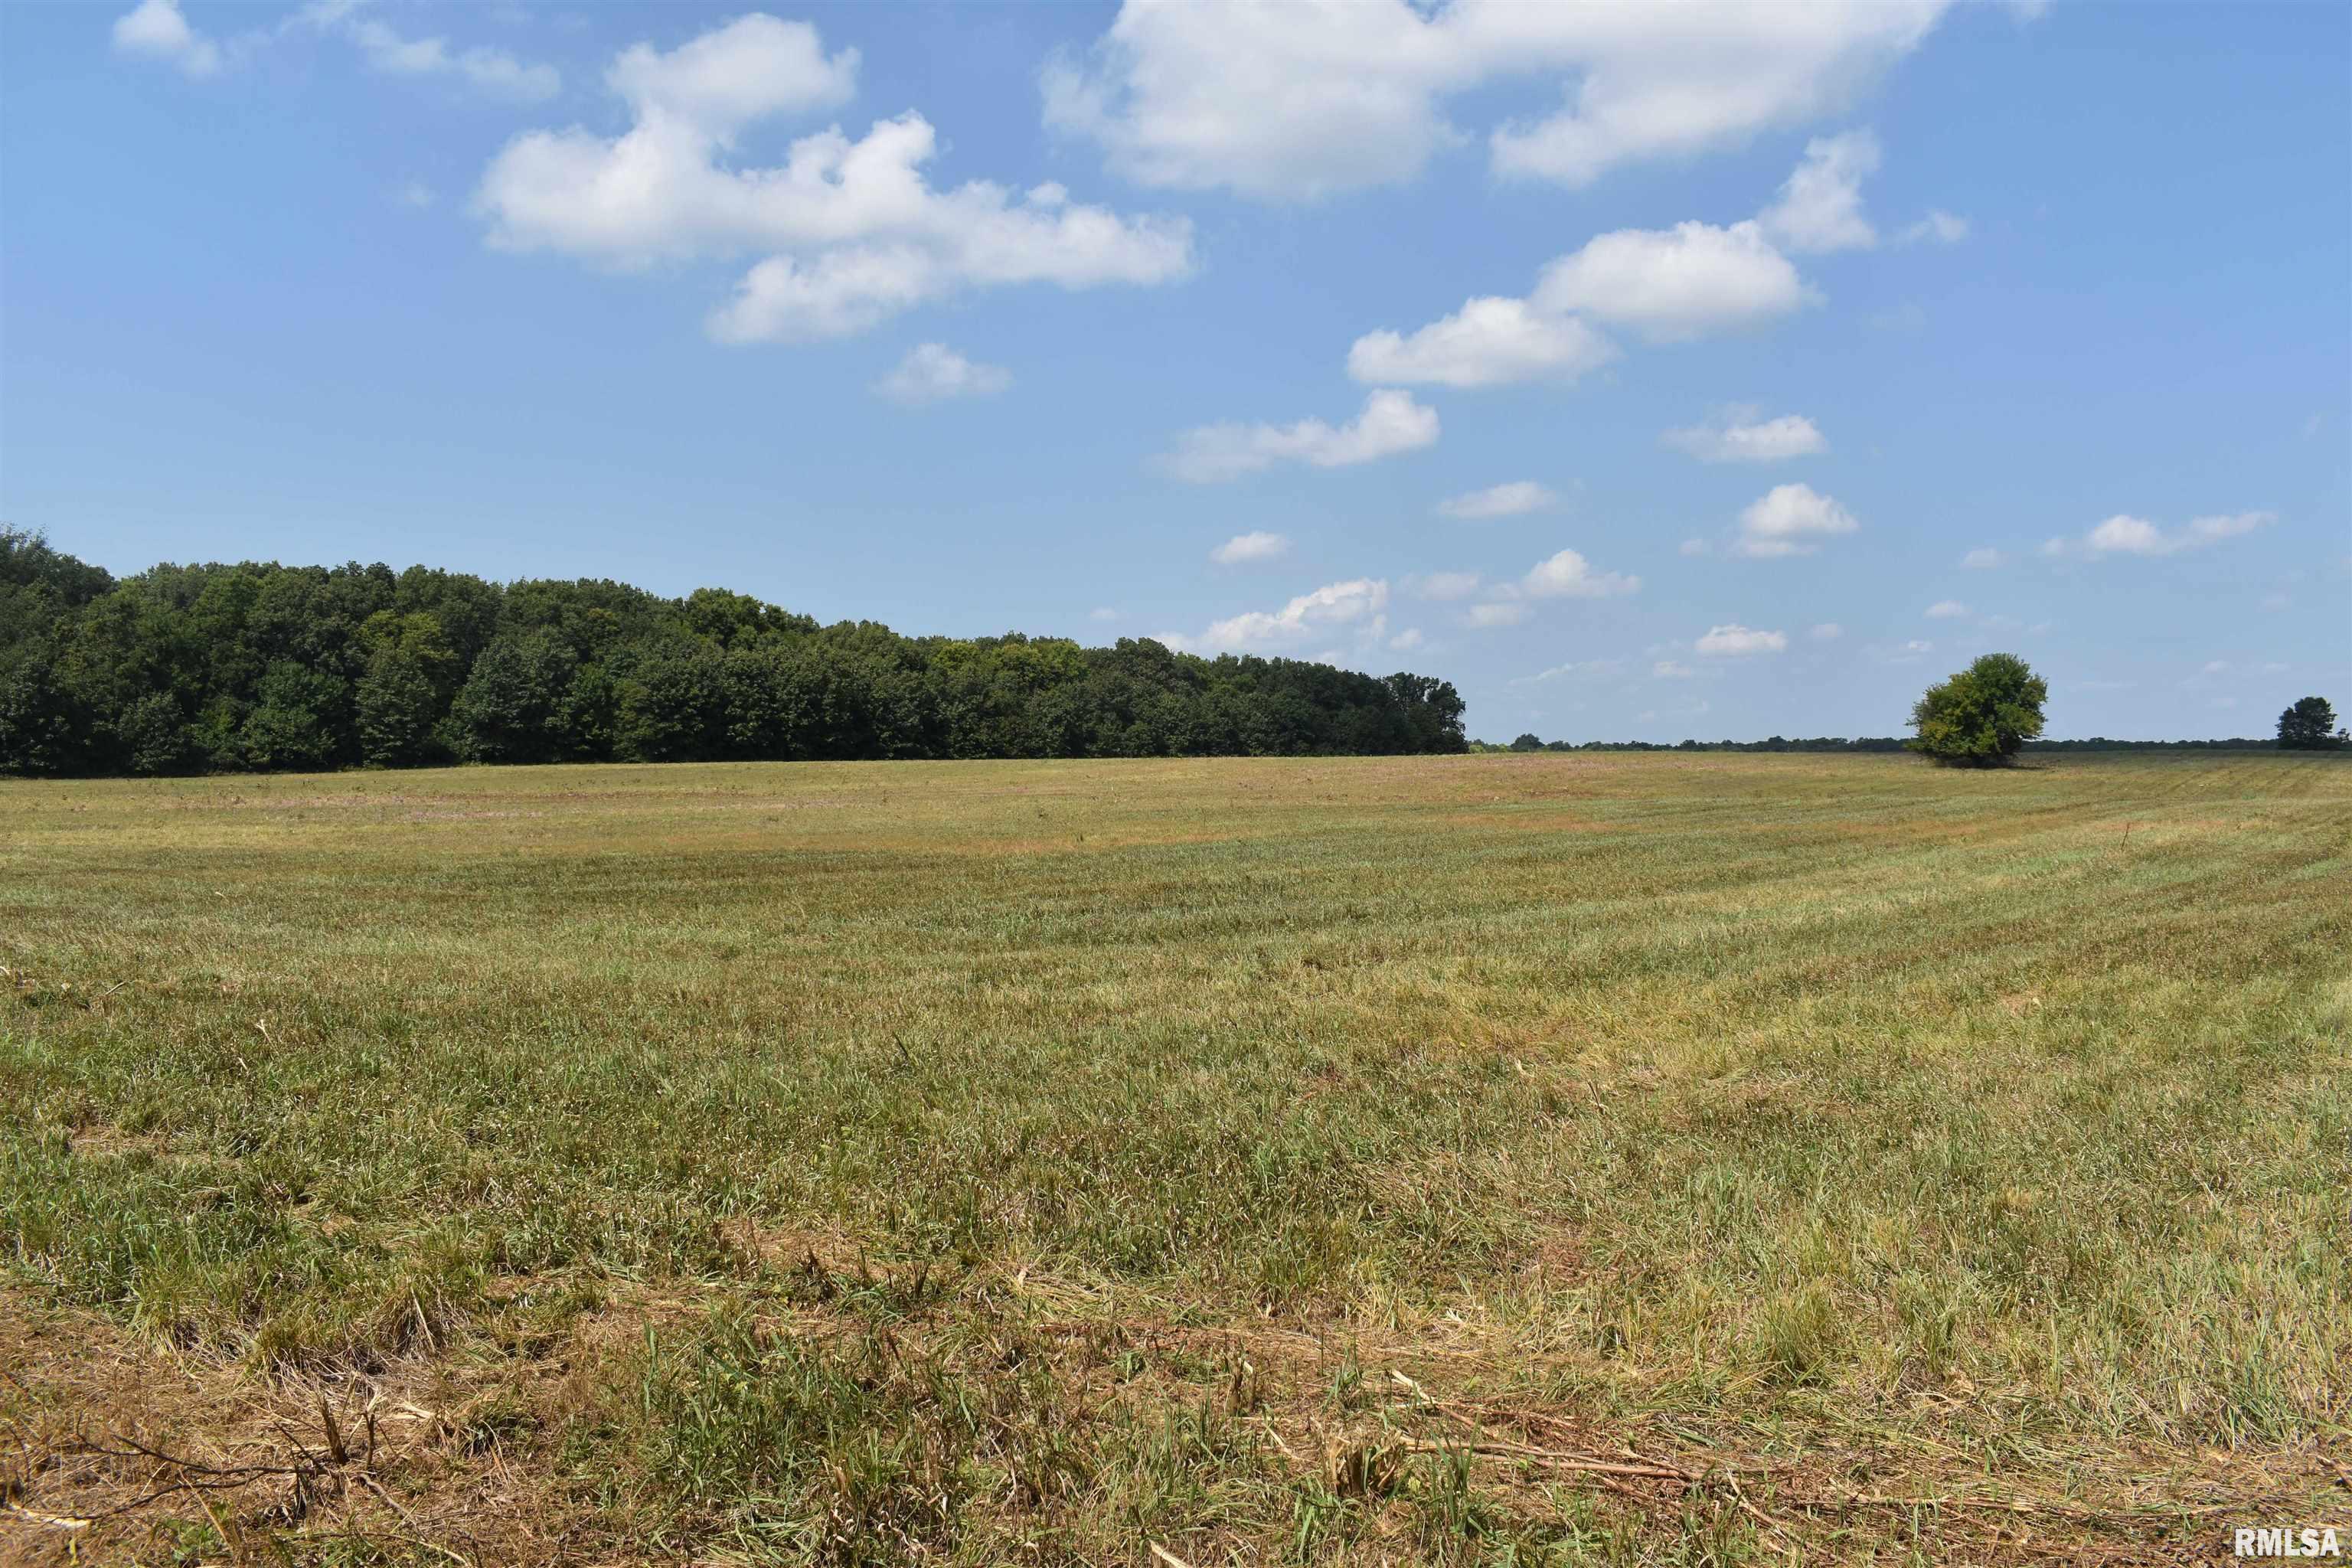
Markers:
(1861, 744)
(1774, 744)
(1983, 716)
(262, 667)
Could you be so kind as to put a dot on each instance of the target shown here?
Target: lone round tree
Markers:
(1982, 716)
(2309, 726)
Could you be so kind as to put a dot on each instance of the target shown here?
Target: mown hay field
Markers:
(1691, 1159)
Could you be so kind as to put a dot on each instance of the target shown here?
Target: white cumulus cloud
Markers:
(1292, 102)
(1674, 284)
(1735, 640)
(1667, 285)
(1983, 559)
(158, 30)
(1500, 613)
(1741, 435)
(2131, 536)
(1569, 576)
(1819, 207)
(1687, 80)
(852, 231)
(1389, 422)
(1358, 603)
(934, 372)
(1791, 520)
(1246, 547)
(1828, 631)
(1946, 610)
(1488, 342)
(723, 81)
(2124, 534)
(1499, 501)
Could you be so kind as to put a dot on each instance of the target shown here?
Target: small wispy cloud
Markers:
(1390, 422)
(2124, 534)
(158, 30)
(934, 372)
(1738, 641)
(1512, 499)
(1244, 548)
(1579, 669)
(1938, 227)
(1499, 501)
(1740, 434)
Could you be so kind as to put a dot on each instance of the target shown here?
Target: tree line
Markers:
(1530, 742)
(260, 666)
(1984, 716)
(1868, 744)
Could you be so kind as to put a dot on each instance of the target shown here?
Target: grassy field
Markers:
(1618, 1160)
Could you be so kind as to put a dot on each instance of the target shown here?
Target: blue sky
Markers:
(1648, 372)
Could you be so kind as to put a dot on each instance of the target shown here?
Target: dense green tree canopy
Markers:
(1982, 716)
(258, 666)
(2309, 726)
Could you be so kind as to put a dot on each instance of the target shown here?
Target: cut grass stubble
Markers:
(857, 1161)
